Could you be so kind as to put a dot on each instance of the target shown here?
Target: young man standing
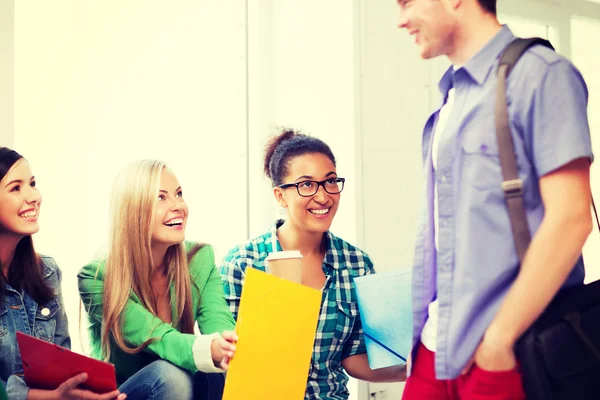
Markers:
(472, 299)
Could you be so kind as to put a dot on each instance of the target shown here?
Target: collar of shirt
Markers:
(480, 65)
(273, 243)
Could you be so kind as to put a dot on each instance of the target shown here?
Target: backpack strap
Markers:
(511, 184)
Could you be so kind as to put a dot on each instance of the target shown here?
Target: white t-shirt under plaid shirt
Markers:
(339, 332)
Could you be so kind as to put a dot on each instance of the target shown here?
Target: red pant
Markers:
(478, 384)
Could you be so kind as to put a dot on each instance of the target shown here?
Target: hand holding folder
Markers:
(276, 326)
(385, 305)
(47, 366)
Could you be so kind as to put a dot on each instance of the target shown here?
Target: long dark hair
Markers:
(25, 271)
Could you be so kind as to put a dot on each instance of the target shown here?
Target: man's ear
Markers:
(278, 192)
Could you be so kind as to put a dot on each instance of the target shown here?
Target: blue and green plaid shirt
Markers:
(339, 332)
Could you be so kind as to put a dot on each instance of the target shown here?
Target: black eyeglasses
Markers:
(310, 188)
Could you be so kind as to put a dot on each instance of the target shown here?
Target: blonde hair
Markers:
(129, 261)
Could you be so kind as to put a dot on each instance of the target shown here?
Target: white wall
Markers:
(302, 75)
(100, 84)
(395, 100)
(584, 33)
(6, 72)
(302, 78)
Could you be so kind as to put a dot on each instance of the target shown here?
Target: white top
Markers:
(284, 255)
(429, 333)
(202, 353)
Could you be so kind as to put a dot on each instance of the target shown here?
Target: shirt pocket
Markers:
(346, 315)
(45, 320)
(481, 161)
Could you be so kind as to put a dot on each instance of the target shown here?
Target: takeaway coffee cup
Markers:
(286, 265)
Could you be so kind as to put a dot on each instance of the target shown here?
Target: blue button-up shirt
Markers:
(477, 262)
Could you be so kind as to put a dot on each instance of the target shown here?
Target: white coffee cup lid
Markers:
(284, 255)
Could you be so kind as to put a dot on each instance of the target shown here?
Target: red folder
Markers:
(47, 366)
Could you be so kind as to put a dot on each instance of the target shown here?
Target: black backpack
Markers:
(560, 353)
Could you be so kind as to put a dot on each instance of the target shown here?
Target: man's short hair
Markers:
(488, 5)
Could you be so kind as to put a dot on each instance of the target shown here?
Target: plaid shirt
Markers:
(339, 332)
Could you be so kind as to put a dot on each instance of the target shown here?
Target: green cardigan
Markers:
(208, 307)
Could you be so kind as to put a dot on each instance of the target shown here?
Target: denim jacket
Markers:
(21, 313)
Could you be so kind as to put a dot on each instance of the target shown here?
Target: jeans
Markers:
(163, 380)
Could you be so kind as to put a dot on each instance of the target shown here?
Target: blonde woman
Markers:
(145, 296)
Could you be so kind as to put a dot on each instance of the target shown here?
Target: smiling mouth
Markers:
(174, 222)
(29, 214)
(323, 211)
(415, 35)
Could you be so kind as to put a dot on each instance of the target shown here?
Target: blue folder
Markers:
(385, 305)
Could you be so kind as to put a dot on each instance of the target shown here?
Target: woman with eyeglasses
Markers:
(30, 287)
(305, 182)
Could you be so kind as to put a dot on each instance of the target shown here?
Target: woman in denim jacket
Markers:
(30, 297)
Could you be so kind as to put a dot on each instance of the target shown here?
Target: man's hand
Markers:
(492, 358)
(552, 253)
(494, 354)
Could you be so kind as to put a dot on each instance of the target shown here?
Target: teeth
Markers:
(320, 212)
(175, 221)
(29, 214)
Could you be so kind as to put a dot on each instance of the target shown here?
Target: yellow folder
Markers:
(276, 327)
